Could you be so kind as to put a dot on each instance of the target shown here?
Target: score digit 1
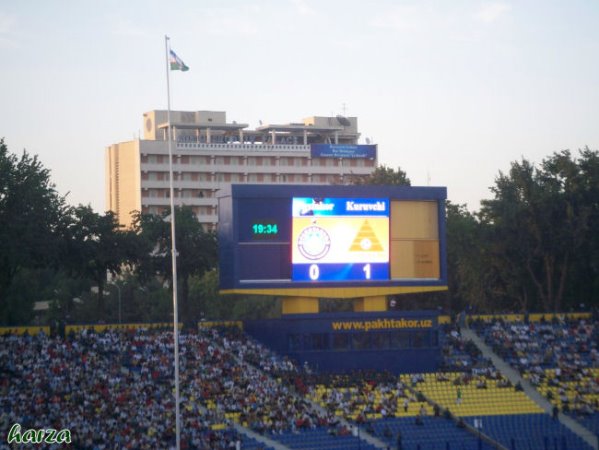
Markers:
(366, 270)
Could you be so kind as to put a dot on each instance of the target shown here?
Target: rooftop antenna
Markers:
(344, 109)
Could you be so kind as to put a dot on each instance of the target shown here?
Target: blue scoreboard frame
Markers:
(276, 238)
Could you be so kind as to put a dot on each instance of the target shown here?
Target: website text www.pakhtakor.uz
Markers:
(380, 324)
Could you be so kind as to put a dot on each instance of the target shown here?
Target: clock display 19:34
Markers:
(260, 229)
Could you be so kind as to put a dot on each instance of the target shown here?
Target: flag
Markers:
(176, 63)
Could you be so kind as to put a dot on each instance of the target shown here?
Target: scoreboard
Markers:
(274, 238)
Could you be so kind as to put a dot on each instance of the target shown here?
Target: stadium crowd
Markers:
(459, 354)
(560, 357)
(114, 389)
(570, 345)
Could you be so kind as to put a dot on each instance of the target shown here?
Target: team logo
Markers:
(314, 242)
(366, 240)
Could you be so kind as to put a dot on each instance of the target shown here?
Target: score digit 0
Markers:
(313, 272)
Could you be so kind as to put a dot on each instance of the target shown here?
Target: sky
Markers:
(451, 91)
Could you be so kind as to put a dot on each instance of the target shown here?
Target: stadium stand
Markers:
(536, 431)
(113, 389)
(558, 357)
(435, 433)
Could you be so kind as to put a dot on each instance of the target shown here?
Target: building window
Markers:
(294, 342)
(200, 160)
(420, 339)
(360, 341)
(341, 342)
(399, 339)
(380, 341)
(316, 341)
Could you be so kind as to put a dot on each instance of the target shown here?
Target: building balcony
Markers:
(166, 201)
(242, 147)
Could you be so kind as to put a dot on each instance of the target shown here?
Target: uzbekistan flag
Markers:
(176, 63)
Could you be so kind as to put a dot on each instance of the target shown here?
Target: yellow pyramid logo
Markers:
(366, 240)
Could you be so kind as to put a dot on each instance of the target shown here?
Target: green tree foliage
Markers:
(211, 305)
(196, 249)
(31, 214)
(542, 226)
(383, 174)
(95, 245)
(463, 232)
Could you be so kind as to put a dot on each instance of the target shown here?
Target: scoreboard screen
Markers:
(340, 239)
(307, 236)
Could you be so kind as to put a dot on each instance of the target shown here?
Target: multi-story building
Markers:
(209, 153)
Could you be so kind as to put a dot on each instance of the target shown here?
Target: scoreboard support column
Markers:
(299, 305)
(374, 303)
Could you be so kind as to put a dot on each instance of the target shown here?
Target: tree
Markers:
(463, 258)
(31, 217)
(95, 245)
(211, 305)
(540, 218)
(384, 175)
(196, 249)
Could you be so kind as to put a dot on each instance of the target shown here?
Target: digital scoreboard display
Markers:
(339, 239)
(289, 237)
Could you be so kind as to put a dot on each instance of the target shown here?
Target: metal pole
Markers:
(119, 291)
(173, 251)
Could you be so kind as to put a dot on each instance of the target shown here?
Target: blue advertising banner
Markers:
(342, 151)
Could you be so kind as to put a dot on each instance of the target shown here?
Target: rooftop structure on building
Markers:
(209, 153)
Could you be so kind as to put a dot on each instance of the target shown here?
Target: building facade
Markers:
(210, 153)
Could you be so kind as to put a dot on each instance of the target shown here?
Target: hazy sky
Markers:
(452, 91)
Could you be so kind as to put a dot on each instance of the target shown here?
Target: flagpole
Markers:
(174, 250)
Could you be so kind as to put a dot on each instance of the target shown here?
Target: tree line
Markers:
(533, 246)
